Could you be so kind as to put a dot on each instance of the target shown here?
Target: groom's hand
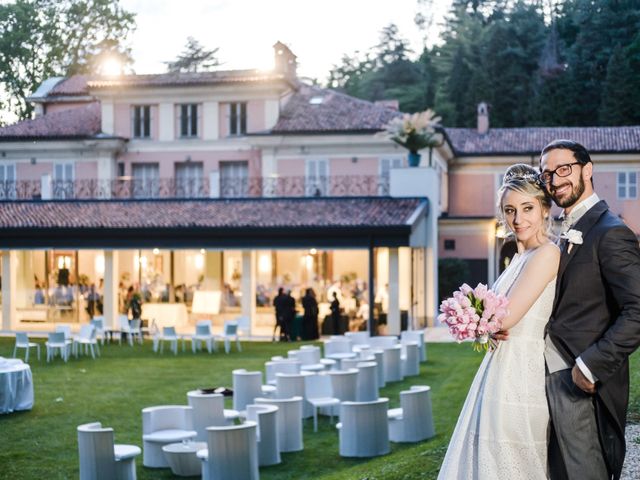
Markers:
(501, 335)
(581, 381)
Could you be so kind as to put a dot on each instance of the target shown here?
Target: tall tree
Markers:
(617, 90)
(44, 38)
(195, 57)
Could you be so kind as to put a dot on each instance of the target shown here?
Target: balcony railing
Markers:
(215, 187)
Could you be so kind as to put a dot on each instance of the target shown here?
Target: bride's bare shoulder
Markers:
(548, 252)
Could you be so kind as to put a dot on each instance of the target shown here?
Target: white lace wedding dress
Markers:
(502, 430)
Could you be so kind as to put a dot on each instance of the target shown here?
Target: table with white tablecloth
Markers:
(16, 387)
(166, 314)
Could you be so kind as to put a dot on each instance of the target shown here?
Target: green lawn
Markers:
(42, 443)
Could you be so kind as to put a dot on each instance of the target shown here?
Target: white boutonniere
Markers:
(574, 237)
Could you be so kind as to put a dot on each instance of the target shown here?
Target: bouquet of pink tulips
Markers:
(474, 313)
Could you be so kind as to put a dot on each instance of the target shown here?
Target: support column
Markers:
(393, 315)
(372, 289)
(212, 271)
(431, 269)
(249, 286)
(9, 289)
(111, 288)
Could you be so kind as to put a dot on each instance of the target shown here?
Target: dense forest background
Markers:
(568, 62)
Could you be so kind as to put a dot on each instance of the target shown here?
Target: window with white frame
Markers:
(7, 181)
(146, 180)
(189, 120)
(234, 179)
(627, 185)
(386, 165)
(316, 179)
(238, 118)
(63, 177)
(141, 121)
(189, 180)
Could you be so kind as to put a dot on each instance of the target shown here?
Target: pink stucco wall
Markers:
(467, 245)
(26, 171)
(86, 170)
(291, 167)
(471, 194)
(606, 186)
(210, 160)
(59, 107)
(123, 115)
(346, 166)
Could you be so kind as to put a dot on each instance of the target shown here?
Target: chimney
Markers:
(285, 60)
(392, 104)
(483, 118)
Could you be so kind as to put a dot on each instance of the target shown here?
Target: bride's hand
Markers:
(501, 335)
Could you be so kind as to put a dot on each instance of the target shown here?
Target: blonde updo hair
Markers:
(523, 178)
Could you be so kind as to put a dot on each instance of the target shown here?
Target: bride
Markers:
(502, 430)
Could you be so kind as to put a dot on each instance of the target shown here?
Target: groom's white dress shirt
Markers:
(555, 361)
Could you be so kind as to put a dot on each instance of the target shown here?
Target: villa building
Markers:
(238, 182)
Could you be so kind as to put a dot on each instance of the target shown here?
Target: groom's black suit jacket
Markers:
(596, 316)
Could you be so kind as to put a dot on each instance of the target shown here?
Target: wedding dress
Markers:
(502, 430)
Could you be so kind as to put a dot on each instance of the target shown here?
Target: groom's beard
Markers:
(571, 198)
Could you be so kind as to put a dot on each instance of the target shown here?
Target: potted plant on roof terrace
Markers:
(415, 132)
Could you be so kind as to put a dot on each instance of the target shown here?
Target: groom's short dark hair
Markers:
(579, 152)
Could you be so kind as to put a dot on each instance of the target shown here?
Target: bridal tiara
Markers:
(529, 177)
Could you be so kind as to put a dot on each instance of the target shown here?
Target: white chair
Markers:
(413, 421)
(410, 359)
(337, 345)
(418, 337)
(87, 339)
(244, 325)
(161, 426)
(367, 383)
(232, 453)
(125, 329)
(230, 332)
(100, 458)
(280, 366)
(266, 417)
(247, 386)
(98, 323)
(68, 336)
(291, 385)
(358, 338)
(383, 341)
(344, 384)
(363, 427)
(392, 363)
(203, 335)
(378, 355)
(320, 395)
(135, 331)
(289, 419)
(57, 341)
(22, 341)
(208, 411)
(168, 335)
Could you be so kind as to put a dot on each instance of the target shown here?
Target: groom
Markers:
(594, 324)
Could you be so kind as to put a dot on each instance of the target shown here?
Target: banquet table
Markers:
(16, 386)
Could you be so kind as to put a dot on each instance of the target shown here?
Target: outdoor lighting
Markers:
(264, 263)
(64, 261)
(199, 261)
(156, 251)
(99, 265)
(206, 301)
(202, 251)
(313, 251)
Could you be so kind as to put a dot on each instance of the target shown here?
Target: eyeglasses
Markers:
(546, 177)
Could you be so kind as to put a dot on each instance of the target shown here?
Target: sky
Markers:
(319, 33)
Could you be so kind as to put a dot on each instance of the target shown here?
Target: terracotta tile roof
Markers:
(186, 79)
(75, 123)
(72, 86)
(531, 140)
(318, 110)
(291, 214)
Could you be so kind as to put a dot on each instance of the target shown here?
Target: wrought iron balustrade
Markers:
(252, 187)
